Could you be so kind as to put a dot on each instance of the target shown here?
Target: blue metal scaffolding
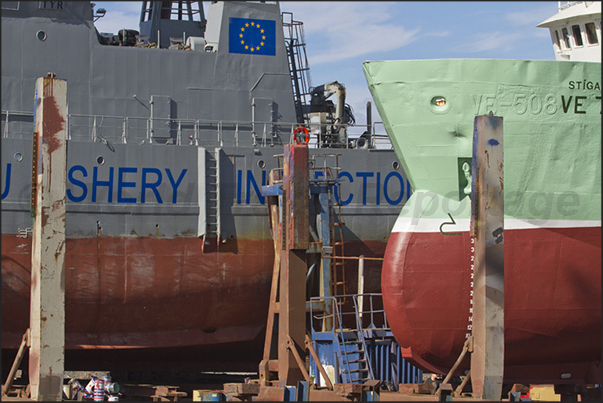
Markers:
(359, 346)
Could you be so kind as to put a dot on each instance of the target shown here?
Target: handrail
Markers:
(567, 4)
(131, 129)
(338, 314)
(345, 351)
(360, 332)
(372, 312)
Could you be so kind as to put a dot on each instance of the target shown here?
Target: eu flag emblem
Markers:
(252, 36)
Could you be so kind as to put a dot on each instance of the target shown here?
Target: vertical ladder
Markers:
(212, 196)
(337, 264)
(298, 63)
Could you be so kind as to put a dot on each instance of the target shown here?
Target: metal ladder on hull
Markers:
(212, 197)
(337, 264)
(298, 63)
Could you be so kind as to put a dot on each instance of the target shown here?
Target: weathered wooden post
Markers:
(487, 227)
(47, 307)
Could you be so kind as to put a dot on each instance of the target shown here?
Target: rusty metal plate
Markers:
(272, 393)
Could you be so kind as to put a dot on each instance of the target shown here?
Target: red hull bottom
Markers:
(125, 294)
(552, 301)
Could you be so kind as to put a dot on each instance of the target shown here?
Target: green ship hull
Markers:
(552, 183)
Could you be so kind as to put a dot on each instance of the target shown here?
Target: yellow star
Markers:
(241, 35)
(262, 43)
(257, 25)
(246, 47)
(263, 37)
(246, 24)
(261, 31)
(257, 48)
(242, 29)
(252, 49)
(252, 23)
(242, 42)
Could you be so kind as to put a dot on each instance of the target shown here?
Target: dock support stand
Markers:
(292, 294)
(47, 309)
(289, 215)
(487, 229)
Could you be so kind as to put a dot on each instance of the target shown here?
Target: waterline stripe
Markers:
(414, 224)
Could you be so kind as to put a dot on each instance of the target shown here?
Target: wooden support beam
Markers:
(487, 226)
(47, 307)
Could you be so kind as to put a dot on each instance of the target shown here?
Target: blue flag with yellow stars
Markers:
(252, 36)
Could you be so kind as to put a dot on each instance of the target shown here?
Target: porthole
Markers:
(439, 104)
(396, 165)
(100, 160)
(18, 157)
(311, 163)
(261, 164)
(439, 101)
(41, 35)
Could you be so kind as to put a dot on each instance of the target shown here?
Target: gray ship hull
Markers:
(168, 240)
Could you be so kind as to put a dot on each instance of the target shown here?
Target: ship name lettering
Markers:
(584, 85)
(488, 104)
(578, 104)
(534, 104)
(147, 180)
(392, 183)
(7, 181)
(51, 5)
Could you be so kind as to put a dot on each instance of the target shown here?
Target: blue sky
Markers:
(341, 35)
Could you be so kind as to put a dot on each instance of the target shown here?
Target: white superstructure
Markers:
(576, 31)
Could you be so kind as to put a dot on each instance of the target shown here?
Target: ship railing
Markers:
(196, 132)
(379, 137)
(18, 125)
(567, 4)
(350, 312)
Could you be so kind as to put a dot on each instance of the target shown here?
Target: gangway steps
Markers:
(360, 353)
(354, 361)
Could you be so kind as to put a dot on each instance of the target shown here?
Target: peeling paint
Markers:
(47, 322)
